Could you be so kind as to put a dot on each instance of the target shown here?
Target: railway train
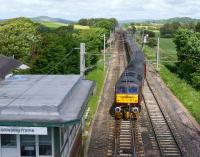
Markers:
(128, 89)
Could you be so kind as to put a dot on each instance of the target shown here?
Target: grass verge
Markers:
(183, 91)
(98, 76)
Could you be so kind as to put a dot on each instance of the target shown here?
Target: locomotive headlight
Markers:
(135, 109)
(118, 109)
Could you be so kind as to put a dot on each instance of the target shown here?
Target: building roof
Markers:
(7, 64)
(43, 100)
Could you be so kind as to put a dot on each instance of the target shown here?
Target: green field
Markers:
(167, 51)
(57, 24)
(81, 27)
(53, 24)
(184, 92)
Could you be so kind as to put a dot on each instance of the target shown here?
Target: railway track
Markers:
(124, 139)
(166, 141)
(127, 139)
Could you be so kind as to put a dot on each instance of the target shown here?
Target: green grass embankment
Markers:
(97, 75)
(183, 91)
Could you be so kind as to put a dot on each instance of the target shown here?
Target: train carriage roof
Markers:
(134, 72)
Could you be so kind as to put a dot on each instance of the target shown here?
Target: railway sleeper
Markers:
(166, 141)
(124, 142)
(171, 153)
(126, 145)
(125, 135)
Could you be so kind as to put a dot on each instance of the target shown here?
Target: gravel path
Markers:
(100, 141)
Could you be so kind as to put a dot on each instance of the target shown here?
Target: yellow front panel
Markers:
(126, 98)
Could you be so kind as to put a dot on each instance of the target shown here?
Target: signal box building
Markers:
(40, 115)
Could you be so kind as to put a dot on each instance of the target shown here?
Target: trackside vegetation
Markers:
(183, 90)
(51, 48)
(97, 75)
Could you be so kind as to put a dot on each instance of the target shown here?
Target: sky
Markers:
(120, 9)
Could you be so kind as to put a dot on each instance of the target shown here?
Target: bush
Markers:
(188, 52)
(168, 29)
(150, 33)
(196, 79)
(152, 42)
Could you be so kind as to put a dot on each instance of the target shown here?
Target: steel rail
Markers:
(166, 122)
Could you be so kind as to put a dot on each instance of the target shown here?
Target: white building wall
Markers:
(15, 151)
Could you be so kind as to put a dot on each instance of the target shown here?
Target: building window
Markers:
(8, 140)
(45, 144)
(28, 145)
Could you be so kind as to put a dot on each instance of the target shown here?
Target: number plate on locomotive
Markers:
(126, 98)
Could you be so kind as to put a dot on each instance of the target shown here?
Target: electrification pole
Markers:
(157, 55)
(82, 59)
(104, 52)
(110, 40)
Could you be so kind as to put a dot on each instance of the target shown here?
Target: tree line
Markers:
(48, 50)
(188, 52)
(169, 29)
(187, 40)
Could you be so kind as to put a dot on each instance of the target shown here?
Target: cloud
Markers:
(121, 9)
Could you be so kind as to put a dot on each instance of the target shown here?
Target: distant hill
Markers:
(134, 20)
(1, 20)
(163, 21)
(50, 19)
(175, 19)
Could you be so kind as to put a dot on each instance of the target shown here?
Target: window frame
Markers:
(6, 146)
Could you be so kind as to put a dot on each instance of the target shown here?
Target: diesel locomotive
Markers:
(128, 89)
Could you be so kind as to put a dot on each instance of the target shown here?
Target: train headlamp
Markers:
(118, 109)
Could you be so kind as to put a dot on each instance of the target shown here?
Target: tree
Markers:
(197, 27)
(94, 43)
(151, 34)
(56, 54)
(133, 28)
(188, 52)
(168, 29)
(83, 22)
(19, 37)
(152, 42)
(105, 24)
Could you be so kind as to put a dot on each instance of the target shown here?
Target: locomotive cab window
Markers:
(121, 90)
(132, 90)
(127, 90)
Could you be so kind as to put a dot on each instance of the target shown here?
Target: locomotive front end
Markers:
(127, 102)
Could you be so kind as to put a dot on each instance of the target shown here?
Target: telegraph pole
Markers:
(142, 39)
(104, 53)
(110, 41)
(157, 55)
(82, 59)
